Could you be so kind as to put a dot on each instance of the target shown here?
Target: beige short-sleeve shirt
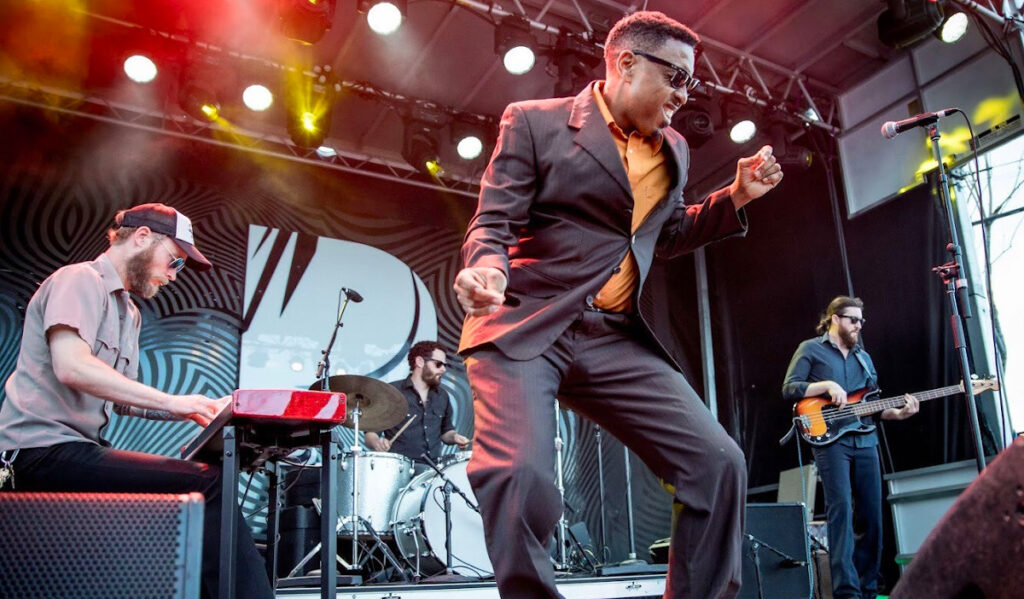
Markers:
(39, 410)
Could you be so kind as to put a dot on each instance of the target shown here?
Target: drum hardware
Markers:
(600, 491)
(446, 491)
(562, 563)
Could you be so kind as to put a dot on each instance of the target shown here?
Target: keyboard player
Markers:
(79, 361)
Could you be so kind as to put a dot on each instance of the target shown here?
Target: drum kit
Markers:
(430, 519)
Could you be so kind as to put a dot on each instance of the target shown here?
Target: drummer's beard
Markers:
(433, 380)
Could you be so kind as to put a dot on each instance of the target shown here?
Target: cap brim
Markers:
(194, 259)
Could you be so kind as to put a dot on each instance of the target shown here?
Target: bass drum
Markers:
(419, 524)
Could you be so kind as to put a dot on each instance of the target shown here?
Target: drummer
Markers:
(429, 406)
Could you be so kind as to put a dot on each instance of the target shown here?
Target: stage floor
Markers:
(609, 587)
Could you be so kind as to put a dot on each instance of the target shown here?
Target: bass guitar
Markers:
(821, 423)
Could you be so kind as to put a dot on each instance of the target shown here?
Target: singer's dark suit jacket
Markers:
(555, 216)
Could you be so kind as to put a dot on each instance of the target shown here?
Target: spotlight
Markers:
(140, 68)
(953, 28)
(792, 157)
(383, 16)
(739, 118)
(308, 104)
(326, 152)
(470, 137)
(257, 97)
(306, 21)
(420, 148)
(199, 101)
(514, 43)
(696, 124)
(907, 22)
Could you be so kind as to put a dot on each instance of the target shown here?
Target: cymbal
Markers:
(381, 405)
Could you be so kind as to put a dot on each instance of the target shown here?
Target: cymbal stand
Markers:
(447, 490)
(560, 532)
(600, 489)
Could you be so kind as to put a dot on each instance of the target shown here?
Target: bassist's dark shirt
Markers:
(818, 359)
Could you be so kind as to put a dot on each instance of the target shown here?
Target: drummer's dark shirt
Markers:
(432, 420)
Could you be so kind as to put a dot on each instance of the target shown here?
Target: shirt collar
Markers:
(598, 88)
(111, 279)
(826, 339)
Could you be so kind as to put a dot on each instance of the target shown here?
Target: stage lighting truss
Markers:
(305, 21)
(907, 22)
(514, 42)
(383, 16)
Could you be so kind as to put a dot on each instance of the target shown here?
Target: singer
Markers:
(579, 196)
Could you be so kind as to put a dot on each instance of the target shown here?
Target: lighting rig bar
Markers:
(184, 127)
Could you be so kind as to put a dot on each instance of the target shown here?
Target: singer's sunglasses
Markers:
(177, 263)
(438, 363)
(854, 320)
(680, 77)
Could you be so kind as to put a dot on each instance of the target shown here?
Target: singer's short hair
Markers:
(645, 30)
(836, 306)
(423, 349)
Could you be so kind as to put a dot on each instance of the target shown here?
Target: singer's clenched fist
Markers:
(755, 176)
(480, 290)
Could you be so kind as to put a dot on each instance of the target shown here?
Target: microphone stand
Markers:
(449, 486)
(788, 561)
(323, 369)
(957, 295)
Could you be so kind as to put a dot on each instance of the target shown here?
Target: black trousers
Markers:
(86, 467)
(604, 369)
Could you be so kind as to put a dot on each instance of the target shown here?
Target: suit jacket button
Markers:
(590, 300)
(632, 240)
(616, 270)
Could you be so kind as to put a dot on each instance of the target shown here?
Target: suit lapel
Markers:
(593, 136)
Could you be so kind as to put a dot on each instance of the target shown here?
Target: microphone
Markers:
(891, 129)
(352, 294)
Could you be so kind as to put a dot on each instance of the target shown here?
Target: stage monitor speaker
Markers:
(977, 548)
(775, 553)
(100, 545)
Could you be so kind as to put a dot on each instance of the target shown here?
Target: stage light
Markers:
(792, 157)
(308, 106)
(326, 152)
(812, 115)
(907, 22)
(420, 148)
(140, 68)
(470, 147)
(953, 28)
(575, 59)
(305, 21)
(383, 16)
(257, 97)
(514, 43)
(696, 124)
(740, 117)
(198, 100)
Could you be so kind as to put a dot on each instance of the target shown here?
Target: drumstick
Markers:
(402, 430)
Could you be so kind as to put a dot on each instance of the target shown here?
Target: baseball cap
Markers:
(161, 218)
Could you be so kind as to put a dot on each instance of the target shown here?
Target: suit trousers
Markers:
(605, 368)
(87, 467)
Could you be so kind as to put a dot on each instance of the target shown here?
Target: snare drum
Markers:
(380, 476)
(419, 524)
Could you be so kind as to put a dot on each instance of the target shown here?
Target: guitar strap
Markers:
(863, 364)
(872, 382)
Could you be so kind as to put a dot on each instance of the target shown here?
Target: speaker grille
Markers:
(99, 545)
